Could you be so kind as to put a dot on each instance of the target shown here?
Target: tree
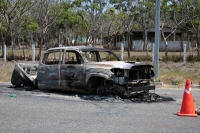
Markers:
(112, 25)
(92, 12)
(175, 14)
(30, 26)
(70, 21)
(147, 19)
(193, 16)
(1, 33)
(130, 17)
(12, 11)
(46, 13)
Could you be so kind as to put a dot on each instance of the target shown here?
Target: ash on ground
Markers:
(140, 97)
(150, 97)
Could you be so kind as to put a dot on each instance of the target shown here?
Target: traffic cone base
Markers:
(187, 107)
(182, 114)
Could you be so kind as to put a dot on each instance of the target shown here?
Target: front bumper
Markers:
(141, 88)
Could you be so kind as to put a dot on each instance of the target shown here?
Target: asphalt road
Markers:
(34, 111)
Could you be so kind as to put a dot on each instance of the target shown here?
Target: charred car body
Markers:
(94, 70)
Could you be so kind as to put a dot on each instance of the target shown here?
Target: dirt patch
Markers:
(6, 70)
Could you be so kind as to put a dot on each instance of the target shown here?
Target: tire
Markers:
(101, 91)
(91, 88)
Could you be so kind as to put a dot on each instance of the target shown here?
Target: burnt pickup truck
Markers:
(94, 70)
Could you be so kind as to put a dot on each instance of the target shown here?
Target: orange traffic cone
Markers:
(187, 107)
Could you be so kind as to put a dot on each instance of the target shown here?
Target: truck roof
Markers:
(81, 48)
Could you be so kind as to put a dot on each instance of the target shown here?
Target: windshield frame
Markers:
(98, 55)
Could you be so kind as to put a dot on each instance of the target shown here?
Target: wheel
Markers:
(91, 88)
(101, 91)
(120, 92)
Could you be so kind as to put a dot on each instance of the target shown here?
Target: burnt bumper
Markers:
(141, 88)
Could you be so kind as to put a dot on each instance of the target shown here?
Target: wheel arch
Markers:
(94, 82)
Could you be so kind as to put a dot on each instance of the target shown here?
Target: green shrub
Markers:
(11, 57)
(37, 57)
(179, 58)
(192, 58)
(173, 58)
(175, 81)
(29, 58)
(141, 58)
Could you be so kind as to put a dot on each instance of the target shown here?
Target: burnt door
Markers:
(49, 70)
(71, 71)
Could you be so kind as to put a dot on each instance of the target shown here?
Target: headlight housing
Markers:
(118, 72)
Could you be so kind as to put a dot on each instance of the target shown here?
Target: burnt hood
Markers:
(119, 64)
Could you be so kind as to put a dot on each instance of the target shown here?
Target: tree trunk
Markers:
(12, 44)
(59, 37)
(64, 41)
(47, 42)
(145, 41)
(128, 45)
(166, 44)
(147, 52)
(40, 45)
(166, 48)
(131, 42)
(197, 44)
(2, 42)
(24, 53)
(36, 40)
(94, 39)
(111, 42)
(75, 41)
(181, 42)
(87, 37)
(19, 42)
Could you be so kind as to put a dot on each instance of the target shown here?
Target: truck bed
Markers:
(24, 74)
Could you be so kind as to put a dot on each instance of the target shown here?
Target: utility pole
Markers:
(157, 39)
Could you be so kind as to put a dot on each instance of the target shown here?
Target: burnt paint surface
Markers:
(48, 76)
(109, 74)
(71, 76)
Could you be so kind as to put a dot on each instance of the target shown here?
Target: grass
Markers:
(175, 74)
(172, 74)
(6, 70)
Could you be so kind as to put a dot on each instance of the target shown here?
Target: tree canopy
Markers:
(67, 20)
